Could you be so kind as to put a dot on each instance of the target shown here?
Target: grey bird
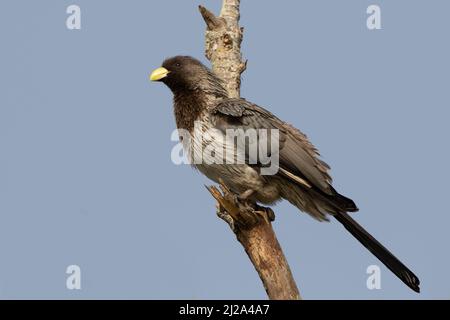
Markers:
(202, 108)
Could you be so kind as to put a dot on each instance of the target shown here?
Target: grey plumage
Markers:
(201, 105)
(297, 156)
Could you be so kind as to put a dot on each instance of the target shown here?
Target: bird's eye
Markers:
(177, 64)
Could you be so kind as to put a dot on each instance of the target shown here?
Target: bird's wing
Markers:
(297, 156)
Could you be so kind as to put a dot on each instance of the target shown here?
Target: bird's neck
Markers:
(190, 105)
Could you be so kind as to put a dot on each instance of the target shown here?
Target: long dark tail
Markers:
(372, 244)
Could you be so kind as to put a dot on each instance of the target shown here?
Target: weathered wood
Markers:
(253, 229)
(223, 39)
(250, 222)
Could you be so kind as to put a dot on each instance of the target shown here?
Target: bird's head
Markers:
(184, 73)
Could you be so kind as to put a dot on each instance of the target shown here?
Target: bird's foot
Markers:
(262, 211)
(265, 212)
(238, 211)
(242, 202)
(249, 210)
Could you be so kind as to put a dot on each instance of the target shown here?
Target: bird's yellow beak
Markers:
(158, 74)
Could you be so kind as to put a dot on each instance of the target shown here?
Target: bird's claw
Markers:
(248, 212)
(268, 212)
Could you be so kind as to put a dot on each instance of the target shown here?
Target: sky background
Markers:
(86, 176)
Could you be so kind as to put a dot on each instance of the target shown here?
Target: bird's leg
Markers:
(264, 212)
(241, 201)
(246, 213)
(244, 196)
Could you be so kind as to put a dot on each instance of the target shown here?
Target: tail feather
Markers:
(342, 202)
(383, 254)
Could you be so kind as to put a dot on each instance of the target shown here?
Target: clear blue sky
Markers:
(85, 170)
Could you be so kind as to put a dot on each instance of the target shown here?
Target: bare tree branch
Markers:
(223, 44)
(250, 222)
